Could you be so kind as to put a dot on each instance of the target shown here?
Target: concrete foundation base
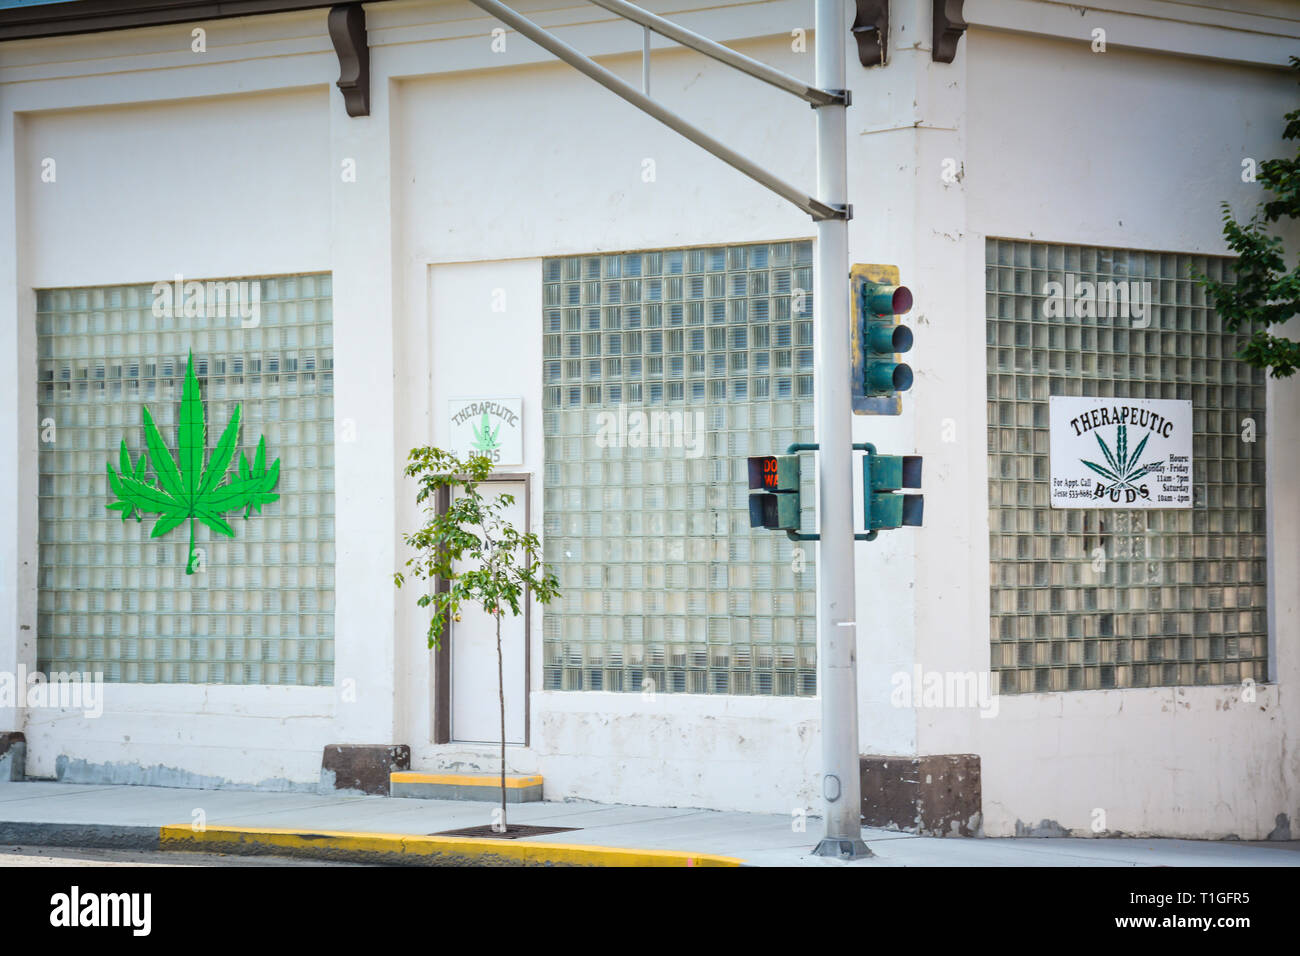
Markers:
(362, 767)
(937, 795)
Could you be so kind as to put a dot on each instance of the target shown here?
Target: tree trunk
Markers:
(501, 691)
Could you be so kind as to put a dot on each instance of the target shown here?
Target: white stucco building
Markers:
(494, 225)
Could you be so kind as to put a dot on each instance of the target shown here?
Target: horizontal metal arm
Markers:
(548, 41)
(687, 38)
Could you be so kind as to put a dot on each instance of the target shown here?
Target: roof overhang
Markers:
(28, 19)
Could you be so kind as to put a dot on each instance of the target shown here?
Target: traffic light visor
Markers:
(889, 299)
(888, 377)
(886, 339)
(762, 472)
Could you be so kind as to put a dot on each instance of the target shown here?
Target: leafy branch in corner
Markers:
(1265, 293)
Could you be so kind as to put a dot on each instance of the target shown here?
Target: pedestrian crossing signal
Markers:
(776, 478)
(882, 477)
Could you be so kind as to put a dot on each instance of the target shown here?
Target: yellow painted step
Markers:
(451, 785)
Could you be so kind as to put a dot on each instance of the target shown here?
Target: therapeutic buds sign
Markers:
(488, 426)
(1120, 452)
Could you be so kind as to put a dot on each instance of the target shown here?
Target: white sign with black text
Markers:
(1120, 452)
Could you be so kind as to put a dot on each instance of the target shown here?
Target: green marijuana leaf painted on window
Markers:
(485, 436)
(185, 490)
(1123, 468)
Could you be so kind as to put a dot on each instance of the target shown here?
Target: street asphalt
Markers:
(19, 856)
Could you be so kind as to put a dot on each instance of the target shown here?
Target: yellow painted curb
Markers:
(513, 782)
(411, 848)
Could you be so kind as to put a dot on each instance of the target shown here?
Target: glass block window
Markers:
(665, 585)
(1180, 598)
(116, 600)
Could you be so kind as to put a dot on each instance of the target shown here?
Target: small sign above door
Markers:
(488, 426)
(1120, 452)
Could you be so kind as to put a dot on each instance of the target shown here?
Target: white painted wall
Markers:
(160, 170)
(269, 198)
(478, 351)
(572, 183)
(1130, 149)
(210, 188)
(473, 166)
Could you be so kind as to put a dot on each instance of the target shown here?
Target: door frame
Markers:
(442, 655)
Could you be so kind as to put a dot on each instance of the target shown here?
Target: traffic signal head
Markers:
(877, 340)
(884, 338)
(777, 478)
(882, 477)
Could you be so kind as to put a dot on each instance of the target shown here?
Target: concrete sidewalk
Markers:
(56, 814)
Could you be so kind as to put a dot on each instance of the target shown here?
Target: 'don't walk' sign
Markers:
(1120, 452)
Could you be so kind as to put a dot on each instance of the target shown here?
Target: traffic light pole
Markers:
(836, 620)
(837, 642)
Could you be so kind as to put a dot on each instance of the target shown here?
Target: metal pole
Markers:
(836, 620)
(584, 64)
(645, 60)
(701, 44)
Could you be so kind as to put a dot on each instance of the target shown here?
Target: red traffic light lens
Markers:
(902, 300)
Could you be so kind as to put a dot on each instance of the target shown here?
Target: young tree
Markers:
(502, 564)
(1265, 293)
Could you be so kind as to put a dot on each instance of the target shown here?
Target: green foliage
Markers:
(502, 561)
(185, 490)
(499, 563)
(1265, 293)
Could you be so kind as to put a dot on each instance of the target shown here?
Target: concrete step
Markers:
(442, 785)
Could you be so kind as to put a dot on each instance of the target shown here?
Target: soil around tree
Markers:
(513, 831)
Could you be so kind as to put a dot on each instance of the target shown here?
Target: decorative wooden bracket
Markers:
(948, 28)
(871, 30)
(347, 26)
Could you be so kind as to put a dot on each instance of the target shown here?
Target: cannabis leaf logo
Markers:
(186, 490)
(485, 436)
(1123, 468)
